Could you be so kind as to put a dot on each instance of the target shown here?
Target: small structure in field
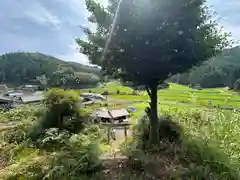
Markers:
(110, 116)
(197, 86)
(132, 109)
(30, 87)
(93, 96)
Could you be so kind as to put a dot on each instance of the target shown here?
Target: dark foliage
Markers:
(105, 93)
(221, 71)
(169, 131)
(237, 85)
(35, 68)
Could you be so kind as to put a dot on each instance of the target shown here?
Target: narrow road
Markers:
(115, 145)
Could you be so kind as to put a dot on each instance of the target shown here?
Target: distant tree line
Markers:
(221, 71)
(46, 71)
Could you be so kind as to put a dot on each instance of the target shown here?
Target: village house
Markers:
(26, 99)
(110, 116)
(5, 102)
(12, 94)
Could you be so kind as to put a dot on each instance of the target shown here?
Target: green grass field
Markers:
(175, 95)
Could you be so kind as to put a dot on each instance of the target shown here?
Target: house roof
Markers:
(12, 94)
(101, 113)
(30, 99)
(5, 99)
(118, 113)
(104, 113)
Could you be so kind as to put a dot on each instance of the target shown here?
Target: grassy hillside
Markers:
(21, 68)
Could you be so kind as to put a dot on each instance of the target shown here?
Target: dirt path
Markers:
(115, 145)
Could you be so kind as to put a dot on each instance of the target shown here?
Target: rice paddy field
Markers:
(174, 96)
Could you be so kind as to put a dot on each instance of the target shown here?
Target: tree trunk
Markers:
(154, 137)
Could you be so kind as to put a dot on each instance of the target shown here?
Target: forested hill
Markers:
(22, 68)
(222, 70)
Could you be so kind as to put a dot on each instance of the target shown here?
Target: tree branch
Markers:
(148, 90)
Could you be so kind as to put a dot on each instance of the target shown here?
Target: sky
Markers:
(51, 26)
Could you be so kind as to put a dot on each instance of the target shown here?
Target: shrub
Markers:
(134, 93)
(20, 114)
(62, 111)
(168, 131)
(81, 157)
(118, 92)
(105, 93)
(95, 132)
(105, 104)
(53, 139)
(16, 134)
(73, 156)
(164, 85)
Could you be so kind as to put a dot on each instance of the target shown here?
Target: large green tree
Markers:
(147, 41)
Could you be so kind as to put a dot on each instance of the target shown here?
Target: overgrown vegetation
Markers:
(205, 149)
(56, 144)
(62, 111)
(194, 144)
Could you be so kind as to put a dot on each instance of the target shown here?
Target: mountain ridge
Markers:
(24, 67)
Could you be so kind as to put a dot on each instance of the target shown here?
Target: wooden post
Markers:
(125, 132)
(108, 133)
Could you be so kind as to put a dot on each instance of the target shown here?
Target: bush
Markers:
(53, 139)
(164, 85)
(94, 132)
(134, 93)
(168, 131)
(73, 156)
(62, 111)
(105, 93)
(81, 157)
(105, 105)
(20, 114)
(15, 135)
